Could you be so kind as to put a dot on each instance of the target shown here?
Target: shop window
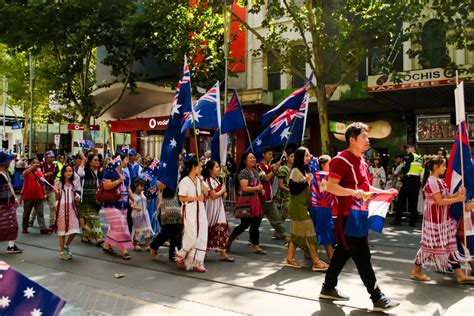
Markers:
(300, 64)
(433, 43)
(273, 72)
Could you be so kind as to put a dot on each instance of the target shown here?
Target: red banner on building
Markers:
(139, 124)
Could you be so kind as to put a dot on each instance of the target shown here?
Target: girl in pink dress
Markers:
(438, 237)
(67, 216)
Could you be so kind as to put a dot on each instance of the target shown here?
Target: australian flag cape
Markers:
(321, 209)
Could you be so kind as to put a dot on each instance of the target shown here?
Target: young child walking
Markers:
(67, 216)
(141, 219)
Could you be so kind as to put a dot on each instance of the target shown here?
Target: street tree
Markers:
(334, 37)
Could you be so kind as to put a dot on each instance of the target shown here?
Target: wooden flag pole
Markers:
(466, 250)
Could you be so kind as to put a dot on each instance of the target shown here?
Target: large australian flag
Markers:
(205, 111)
(173, 142)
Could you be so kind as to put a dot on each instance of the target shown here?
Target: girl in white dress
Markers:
(191, 193)
(378, 174)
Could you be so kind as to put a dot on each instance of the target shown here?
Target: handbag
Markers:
(104, 195)
(242, 208)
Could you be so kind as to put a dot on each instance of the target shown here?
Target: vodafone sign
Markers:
(79, 127)
(157, 123)
(139, 124)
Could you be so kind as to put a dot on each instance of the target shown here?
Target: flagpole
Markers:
(192, 114)
(466, 250)
(305, 118)
(246, 127)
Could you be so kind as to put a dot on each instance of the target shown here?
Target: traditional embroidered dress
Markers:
(438, 237)
(118, 234)
(141, 220)
(195, 225)
(88, 208)
(218, 231)
(302, 229)
(67, 217)
(378, 177)
(8, 221)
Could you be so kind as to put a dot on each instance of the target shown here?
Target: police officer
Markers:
(411, 183)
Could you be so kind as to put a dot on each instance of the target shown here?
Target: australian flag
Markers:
(205, 111)
(285, 129)
(173, 141)
(368, 213)
(232, 121)
(293, 102)
(21, 296)
(321, 209)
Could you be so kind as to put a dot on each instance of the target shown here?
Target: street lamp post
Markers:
(4, 97)
(32, 88)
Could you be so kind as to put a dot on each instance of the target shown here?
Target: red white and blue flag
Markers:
(205, 111)
(368, 213)
(173, 141)
(321, 209)
(293, 102)
(454, 174)
(20, 295)
(287, 128)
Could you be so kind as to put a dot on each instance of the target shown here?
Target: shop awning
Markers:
(149, 101)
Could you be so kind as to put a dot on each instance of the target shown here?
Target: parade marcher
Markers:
(88, 207)
(249, 187)
(218, 231)
(302, 229)
(348, 179)
(79, 169)
(33, 196)
(118, 234)
(8, 205)
(438, 237)
(67, 217)
(171, 222)
(60, 163)
(231, 172)
(133, 167)
(282, 197)
(191, 193)
(267, 173)
(151, 193)
(411, 186)
(141, 219)
(50, 171)
(378, 174)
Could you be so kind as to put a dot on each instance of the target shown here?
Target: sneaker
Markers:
(14, 249)
(384, 304)
(67, 251)
(333, 295)
(64, 256)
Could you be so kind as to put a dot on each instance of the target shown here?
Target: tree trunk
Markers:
(323, 118)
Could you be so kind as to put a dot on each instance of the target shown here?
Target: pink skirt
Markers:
(117, 235)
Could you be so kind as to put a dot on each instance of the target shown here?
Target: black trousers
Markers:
(254, 224)
(359, 252)
(171, 232)
(410, 190)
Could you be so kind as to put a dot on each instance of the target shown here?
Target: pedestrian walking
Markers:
(66, 223)
(8, 206)
(249, 190)
(191, 193)
(33, 196)
(438, 237)
(118, 235)
(302, 230)
(141, 220)
(348, 179)
(88, 206)
(169, 212)
(267, 173)
(50, 171)
(282, 197)
(218, 230)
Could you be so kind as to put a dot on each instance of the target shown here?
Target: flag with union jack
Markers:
(205, 111)
(285, 129)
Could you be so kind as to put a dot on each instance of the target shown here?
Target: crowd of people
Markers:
(144, 214)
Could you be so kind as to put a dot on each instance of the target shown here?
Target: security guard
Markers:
(411, 184)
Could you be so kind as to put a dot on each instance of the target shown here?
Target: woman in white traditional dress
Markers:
(191, 193)
(378, 174)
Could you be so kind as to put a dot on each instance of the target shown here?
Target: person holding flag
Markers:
(349, 181)
(438, 237)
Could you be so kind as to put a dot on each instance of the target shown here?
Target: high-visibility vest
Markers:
(416, 166)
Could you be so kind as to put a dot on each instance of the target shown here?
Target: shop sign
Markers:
(157, 123)
(417, 79)
(438, 128)
(79, 127)
(337, 127)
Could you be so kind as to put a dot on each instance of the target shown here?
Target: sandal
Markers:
(179, 261)
(321, 266)
(99, 243)
(293, 263)
(420, 278)
(85, 240)
(108, 251)
(137, 248)
(468, 280)
(126, 256)
(227, 259)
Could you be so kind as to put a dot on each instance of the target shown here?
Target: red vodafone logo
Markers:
(157, 124)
